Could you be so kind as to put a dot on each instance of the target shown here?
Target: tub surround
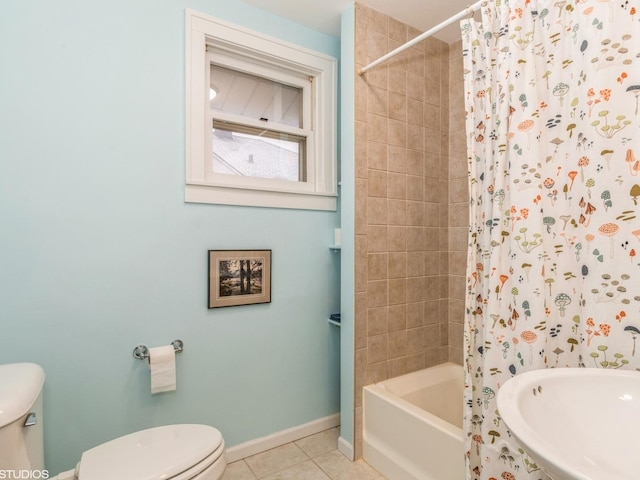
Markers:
(410, 210)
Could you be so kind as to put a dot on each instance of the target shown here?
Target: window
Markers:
(257, 125)
(261, 119)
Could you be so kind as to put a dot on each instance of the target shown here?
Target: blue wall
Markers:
(99, 251)
(347, 211)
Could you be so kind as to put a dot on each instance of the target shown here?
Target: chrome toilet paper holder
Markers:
(141, 352)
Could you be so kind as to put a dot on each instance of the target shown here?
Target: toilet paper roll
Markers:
(162, 363)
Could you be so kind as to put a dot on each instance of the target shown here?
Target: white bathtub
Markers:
(413, 425)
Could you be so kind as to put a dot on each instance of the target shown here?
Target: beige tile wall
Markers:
(410, 204)
(458, 203)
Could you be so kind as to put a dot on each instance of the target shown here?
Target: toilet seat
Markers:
(214, 463)
(172, 452)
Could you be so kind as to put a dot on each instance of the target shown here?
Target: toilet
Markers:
(170, 452)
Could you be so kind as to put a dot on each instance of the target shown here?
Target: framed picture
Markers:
(239, 277)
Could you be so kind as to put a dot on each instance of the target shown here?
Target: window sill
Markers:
(259, 198)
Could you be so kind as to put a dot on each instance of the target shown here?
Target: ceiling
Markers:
(324, 15)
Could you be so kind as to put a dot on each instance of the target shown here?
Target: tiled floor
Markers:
(311, 458)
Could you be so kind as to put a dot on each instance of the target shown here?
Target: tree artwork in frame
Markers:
(239, 277)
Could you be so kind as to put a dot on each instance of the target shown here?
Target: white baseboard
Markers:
(262, 444)
(345, 448)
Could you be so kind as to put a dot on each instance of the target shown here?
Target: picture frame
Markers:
(239, 277)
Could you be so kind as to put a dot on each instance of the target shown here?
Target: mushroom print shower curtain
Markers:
(553, 132)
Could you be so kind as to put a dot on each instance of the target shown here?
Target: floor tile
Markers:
(311, 458)
(238, 471)
(338, 467)
(275, 460)
(319, 443)
(306, 470)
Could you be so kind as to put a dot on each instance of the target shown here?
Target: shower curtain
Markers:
(552, 92)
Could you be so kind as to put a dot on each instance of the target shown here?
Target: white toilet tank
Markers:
(21, 433)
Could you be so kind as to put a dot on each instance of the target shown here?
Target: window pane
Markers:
(255, 97)
(246, 151)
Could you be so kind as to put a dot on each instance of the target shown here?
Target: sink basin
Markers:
(576, 423)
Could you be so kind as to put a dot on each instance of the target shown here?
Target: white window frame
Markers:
(242, 49)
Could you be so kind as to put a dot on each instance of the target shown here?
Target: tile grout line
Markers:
(312, 453)
(286, 468)
(250, 469)
(322, 469)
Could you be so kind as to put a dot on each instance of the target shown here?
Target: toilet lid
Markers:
(155, 454)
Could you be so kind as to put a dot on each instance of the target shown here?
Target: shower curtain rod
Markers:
(459, 16)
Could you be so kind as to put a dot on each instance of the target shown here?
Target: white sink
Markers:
(576, 423)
